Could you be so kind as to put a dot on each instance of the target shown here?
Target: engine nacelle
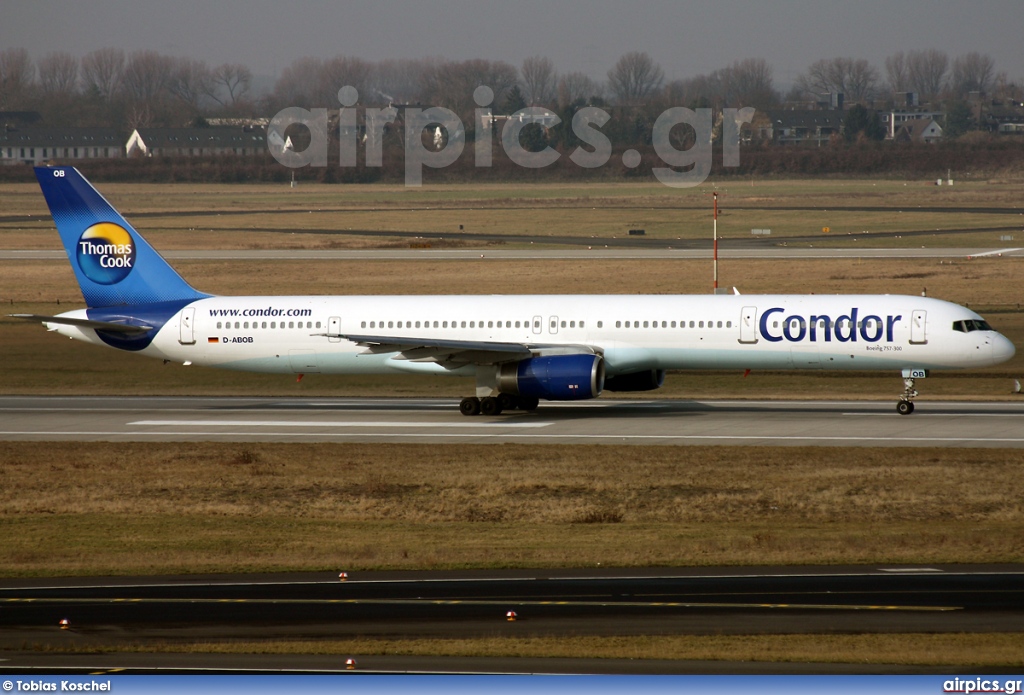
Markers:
(637, 381)
(555, 378)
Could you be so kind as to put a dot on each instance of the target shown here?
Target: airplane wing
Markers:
(455, 352)
(108, 326)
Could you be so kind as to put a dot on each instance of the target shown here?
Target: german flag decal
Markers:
(213, 340)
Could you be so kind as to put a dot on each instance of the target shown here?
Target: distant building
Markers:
(798, 126)
(893, 120)
(196, 142)
(919, 130)
(37, 145)
(1004, 119)
(17, 119)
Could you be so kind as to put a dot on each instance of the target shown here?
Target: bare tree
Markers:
(146, 75)
(539, 79)
(635, 78)
(342, 71)
(299, 82)
(972, 72)
(576, 86)
(926, 71)
(855, 78)
(58, 73)
(190, 80)
(102, 71)
(452, 84)
(896, 72)
(234, 79)
(398, 80)
(748, 82)
(16, 73)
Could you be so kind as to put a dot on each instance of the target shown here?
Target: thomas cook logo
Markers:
(106, 253)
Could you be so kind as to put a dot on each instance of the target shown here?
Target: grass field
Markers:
(267, 216)
(166, 508)
(964, 650)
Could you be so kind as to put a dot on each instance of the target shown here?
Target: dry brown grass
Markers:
(986, 281)
(94, 508)
(954, 650)
(586, 209)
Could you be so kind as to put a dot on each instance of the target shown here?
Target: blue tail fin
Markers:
(112, 262)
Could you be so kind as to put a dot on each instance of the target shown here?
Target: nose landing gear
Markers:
(906, 402)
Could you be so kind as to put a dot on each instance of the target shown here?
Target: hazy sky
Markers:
(686, 37)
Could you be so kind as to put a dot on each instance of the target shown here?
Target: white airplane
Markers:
(520, 349)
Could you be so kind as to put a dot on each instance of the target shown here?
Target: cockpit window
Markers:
(970, 325)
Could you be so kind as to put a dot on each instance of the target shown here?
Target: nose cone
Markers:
(1002, 349)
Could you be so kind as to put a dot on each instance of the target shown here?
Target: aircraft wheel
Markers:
(528, 403)
(470, 406)
(490, 406)
(508, 401)
(905, 407)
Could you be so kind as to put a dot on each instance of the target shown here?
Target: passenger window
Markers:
(218, 324)
(618, 324)
(581, 325)
(517, 324)
(673, 324)
(691, 324)
(728, 324)
(472, 324)
(291, 324)
(719, 324)
(563, 324)
(273, 324)
(701, 325)
(645, 324)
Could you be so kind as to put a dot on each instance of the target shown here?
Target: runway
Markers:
(597, 252)
(437, 605)
(640, 422)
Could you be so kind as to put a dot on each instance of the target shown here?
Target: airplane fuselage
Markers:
(287, 334)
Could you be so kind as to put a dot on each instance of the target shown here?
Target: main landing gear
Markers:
(906, 403)
(495, 405)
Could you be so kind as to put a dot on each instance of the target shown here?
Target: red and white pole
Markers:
(715, 196)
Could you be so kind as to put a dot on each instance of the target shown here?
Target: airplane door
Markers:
(918, 327)
(333, 329)
(188, 333)
(748, 325)
(538, 324)
(553, 325)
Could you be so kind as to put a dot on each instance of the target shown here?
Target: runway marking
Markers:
(503, 603)
(996, 252)
(939, 413)
(909, 570)
(336, 423)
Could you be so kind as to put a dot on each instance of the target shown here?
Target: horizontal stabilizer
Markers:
(108, 326)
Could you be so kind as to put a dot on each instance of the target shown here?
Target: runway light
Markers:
(511, 616)
(65, 624)
(350, 664)
(343, 577)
